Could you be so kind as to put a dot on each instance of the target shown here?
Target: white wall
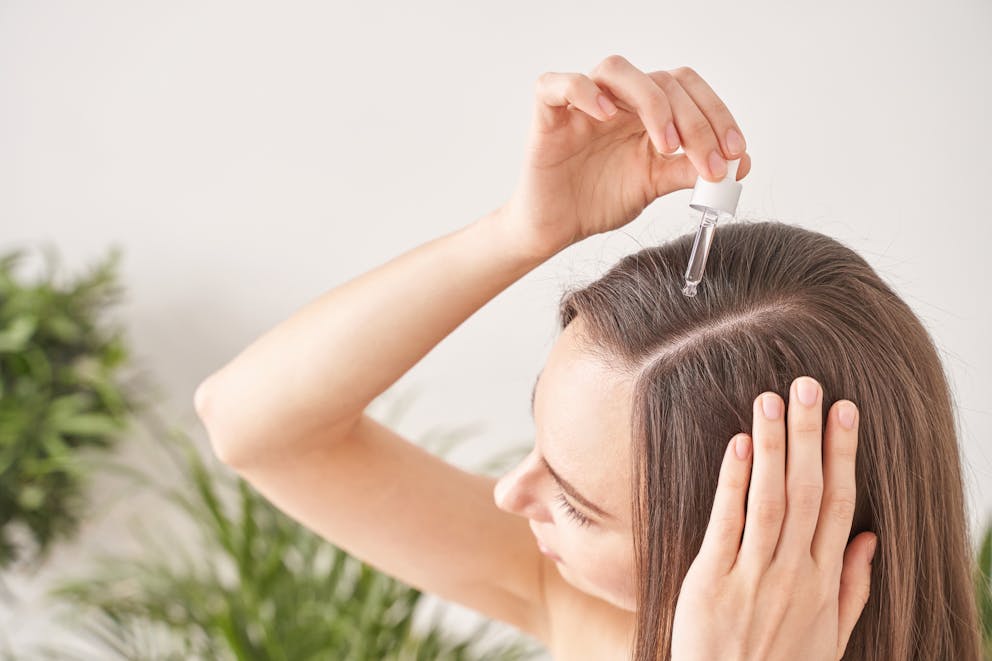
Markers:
(249, 156)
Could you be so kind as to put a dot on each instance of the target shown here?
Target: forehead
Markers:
(582, 418)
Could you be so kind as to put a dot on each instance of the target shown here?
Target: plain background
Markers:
(249, 156)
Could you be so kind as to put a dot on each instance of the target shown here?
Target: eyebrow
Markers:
(562, 482)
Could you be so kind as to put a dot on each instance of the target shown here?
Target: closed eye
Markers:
(579, 517)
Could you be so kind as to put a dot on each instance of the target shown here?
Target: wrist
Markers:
(509, 230)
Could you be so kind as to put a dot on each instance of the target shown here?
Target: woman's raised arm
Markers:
(318, 370)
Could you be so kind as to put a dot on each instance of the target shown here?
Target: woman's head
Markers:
(645, 387)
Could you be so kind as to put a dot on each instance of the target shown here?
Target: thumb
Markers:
(855, 581)
(672, 172)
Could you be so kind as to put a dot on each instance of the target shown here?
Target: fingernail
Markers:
(672, 136)
(718, 166)
(871, 550)
(735, 143)
(742, 446)
(772, 406)
(606, 105)
(807, 389)
(846, 414)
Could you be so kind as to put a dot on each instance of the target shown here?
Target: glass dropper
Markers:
(712, 201)
(700, 251)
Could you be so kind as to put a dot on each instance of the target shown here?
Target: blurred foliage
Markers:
(257, 586)
(60, 395)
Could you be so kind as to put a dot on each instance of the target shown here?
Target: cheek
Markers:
(600, 564)
(612, 570)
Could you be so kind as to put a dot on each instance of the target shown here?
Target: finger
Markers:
(722, 540)
(695, 131)
(839, 490)
(714, 110)
(633, 88)
(675, 172)
(855, 586)
(766, 497)
(556, 92)
(804, 470)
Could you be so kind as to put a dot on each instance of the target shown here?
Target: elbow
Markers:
(204, 402)
(201, 400)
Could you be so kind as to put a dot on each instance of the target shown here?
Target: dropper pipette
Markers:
(714, 201)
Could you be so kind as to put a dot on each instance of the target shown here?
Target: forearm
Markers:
(320, 368)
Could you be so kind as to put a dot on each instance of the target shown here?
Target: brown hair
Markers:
(778, 301)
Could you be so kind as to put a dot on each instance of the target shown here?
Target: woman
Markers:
(659, 538)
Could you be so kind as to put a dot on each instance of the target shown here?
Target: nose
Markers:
(518, 491)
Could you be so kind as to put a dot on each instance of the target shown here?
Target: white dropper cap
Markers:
(718, 195)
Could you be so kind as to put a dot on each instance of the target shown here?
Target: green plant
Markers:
(60, 395)
(259, 586)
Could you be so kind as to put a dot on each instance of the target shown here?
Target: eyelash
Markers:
(580, 518)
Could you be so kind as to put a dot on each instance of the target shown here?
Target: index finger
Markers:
(840, 446)
(722, 539)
